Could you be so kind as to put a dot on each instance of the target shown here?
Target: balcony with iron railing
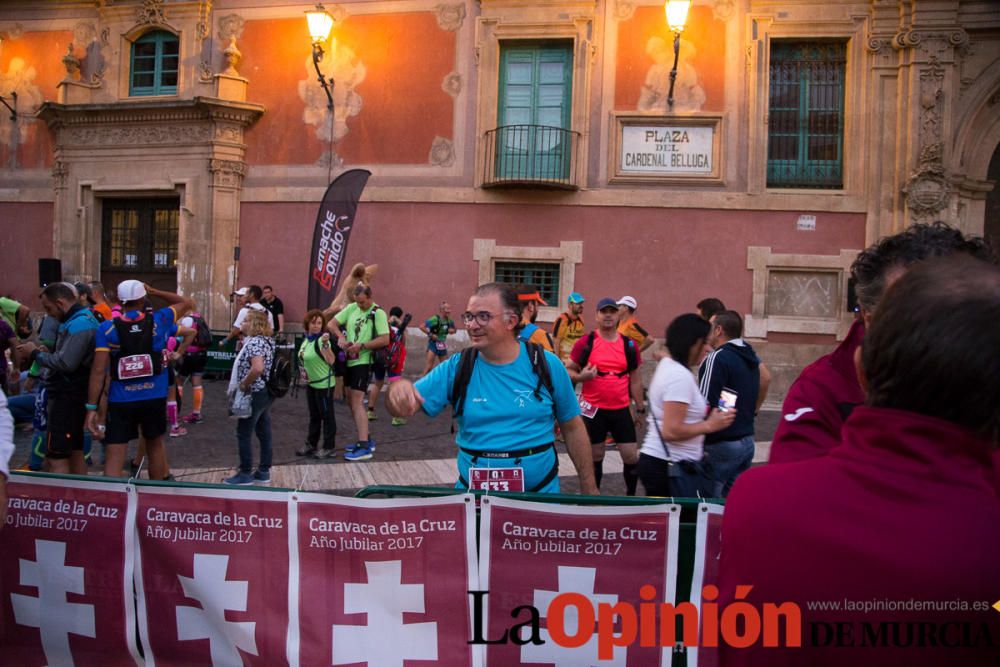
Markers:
(532, 156)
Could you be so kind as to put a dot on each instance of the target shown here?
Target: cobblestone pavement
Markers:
(421, 452)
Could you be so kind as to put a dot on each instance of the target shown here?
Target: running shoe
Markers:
(239, 479)
(193, 418)
(361, 452)
(372, 416)
(177, 431)
(261, 477)
(399, 421)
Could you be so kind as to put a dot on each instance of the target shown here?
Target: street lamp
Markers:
(677, 11)
(320, 23)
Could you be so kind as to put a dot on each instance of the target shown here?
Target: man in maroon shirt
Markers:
(827, 391)
(895, 532)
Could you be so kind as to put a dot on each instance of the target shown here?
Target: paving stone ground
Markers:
(422, 452)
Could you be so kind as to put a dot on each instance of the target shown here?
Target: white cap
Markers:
(241, 291)
(627, 301)
(131, 290)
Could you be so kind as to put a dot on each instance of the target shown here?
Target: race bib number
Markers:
(496, 479)
(440, 345)
(586, 409)
(135, 366)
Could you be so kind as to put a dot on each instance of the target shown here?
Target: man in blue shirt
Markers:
(506, 420)
(134, 345)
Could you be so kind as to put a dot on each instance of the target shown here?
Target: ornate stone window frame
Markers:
(762, 30)
(568, 254)
(507, 20)
(764, 263)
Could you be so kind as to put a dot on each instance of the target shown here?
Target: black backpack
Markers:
(631, 353)
(536, 354)
(202, 334)
(279, 379)
(135, 338)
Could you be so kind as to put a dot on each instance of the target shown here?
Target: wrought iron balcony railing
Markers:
(530, 156)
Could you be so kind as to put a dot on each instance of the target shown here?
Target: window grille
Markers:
(543, 275)
(806, 115)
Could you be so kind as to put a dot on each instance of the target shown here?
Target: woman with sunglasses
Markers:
(509, 404)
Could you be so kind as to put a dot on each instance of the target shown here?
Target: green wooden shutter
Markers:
(535, 100)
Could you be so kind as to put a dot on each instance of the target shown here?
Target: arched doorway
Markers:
(991, 223)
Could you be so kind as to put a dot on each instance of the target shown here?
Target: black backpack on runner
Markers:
(536, 353)
(135, 357)
(202, 334)
(631, 353)
(279, 379)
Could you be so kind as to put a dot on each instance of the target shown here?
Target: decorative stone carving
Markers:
(450, 17)
(232, 56)
(442, 152)
(231, 25)
(452, 84)
(84, 33)
(205, 74)
(204, 19)
(803, 294)
(143, 134)
(72, 64)
(931, 103)
(229, 133)
(723, 9)
(151, 13)
(933, 43)
(927, 190)
(105, 36)
(876, 44)
(60, 172)
(624, 10)
(227, 173)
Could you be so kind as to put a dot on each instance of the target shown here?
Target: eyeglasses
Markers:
(481, 317)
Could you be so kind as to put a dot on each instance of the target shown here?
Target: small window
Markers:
(543, 275)
(805, 143)
(155, 60)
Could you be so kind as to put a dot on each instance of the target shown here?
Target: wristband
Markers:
(91, 407)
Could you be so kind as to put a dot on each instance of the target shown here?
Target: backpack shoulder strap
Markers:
(631, 354)
(462, 376)
(540, 366)
(588, 347)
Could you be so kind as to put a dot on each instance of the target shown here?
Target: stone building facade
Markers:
(188, 142)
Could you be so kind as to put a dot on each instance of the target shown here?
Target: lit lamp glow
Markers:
(676, 11)
(320, 23)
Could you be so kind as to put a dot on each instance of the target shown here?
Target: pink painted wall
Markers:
(668, 259)
(25, 235)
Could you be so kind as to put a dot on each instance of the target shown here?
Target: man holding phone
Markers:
(729, 379)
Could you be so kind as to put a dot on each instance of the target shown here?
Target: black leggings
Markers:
(321, 416)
